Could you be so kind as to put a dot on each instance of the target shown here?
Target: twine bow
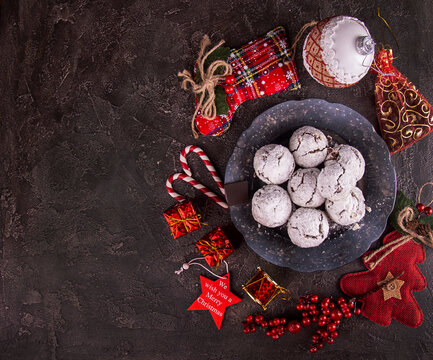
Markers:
(209, 249)
(210, 79)
(407, 221)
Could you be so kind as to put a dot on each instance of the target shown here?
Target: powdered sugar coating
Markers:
(308, 146)
(334, 182)
(271, 206)
(349, 158)
(349, 210)
(308, 227)
(302, 188)
(273, 164)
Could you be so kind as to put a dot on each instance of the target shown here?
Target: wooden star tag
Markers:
(392, 288)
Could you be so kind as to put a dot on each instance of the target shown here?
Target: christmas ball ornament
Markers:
(338, 51)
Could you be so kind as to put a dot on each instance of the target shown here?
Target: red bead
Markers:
(294, 327)
(428, 211)
(322, 318)
(229, 89)
(316, 337)
(312, 307)
(302, 300)
(347, 315)
(351, 305)
(246, 330)
(306, 321)
(335, 314)
(325, 311)
(330, 341)
(276, 321)
(314, 318)
(331, 305)
(343, 305)
(337, 322)
(313, 350)
(340, 300)
(324, 334)
(258, 319)
(271, 323)
(252, 328)
(306, 306)
(274, 331)
(321, 323)
(250, 319)
(334, 334)
(275, 337)
(283, 321)
(358, 311)
(264, 324)
(314, 298)
(269, 333)
(319, 346)
(299, 306)
(420, 207)
(331, 327)
(230, 79)
(304, 314)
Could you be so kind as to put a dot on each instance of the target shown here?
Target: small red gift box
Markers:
(182, 219)
(215, 247)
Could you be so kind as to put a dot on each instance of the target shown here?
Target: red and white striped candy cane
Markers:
(206, 161)
(194, 183)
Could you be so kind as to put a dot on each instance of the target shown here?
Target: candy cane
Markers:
(194, 183)
(209, 166)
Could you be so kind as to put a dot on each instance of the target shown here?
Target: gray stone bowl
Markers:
(345, 125)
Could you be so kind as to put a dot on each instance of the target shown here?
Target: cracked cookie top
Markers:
(308, 146)
(349, 210)
(271, 206)
(273, 164)
(302, 188)
(349, 158)
(308, 227)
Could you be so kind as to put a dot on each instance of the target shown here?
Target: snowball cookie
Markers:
(334, 182)
(349, 157)
(274, 164)
(309, 146)
(271, 206)
(302, 188)
(308, 227)
(349, 210)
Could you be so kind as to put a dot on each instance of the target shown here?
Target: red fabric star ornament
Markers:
(394, 300)
(215, 297)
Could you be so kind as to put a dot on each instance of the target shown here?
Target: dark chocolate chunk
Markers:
(237, 193)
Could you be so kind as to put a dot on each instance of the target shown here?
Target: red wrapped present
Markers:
(182, 219)
(215, 247)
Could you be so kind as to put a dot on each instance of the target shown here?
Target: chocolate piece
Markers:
(237, 193)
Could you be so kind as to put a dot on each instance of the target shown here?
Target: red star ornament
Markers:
(215, 297)
(395, 300)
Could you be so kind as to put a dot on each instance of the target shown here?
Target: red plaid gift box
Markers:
(261, 67)
(215, 247)
(182, 219)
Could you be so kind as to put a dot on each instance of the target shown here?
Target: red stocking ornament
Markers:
(404, 114)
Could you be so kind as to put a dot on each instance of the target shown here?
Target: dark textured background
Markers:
(92, 122)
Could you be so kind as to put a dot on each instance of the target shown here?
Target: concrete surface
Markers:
(92, 122)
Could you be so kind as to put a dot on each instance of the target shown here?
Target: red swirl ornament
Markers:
(404, 115)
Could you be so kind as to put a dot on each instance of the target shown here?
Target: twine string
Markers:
(405, 216)
(299, 35)
(192, 262)
(210, 79)
(420, 192)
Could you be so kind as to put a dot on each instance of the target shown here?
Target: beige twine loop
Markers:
(299, 35)
(406, 216)
(206, 87)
